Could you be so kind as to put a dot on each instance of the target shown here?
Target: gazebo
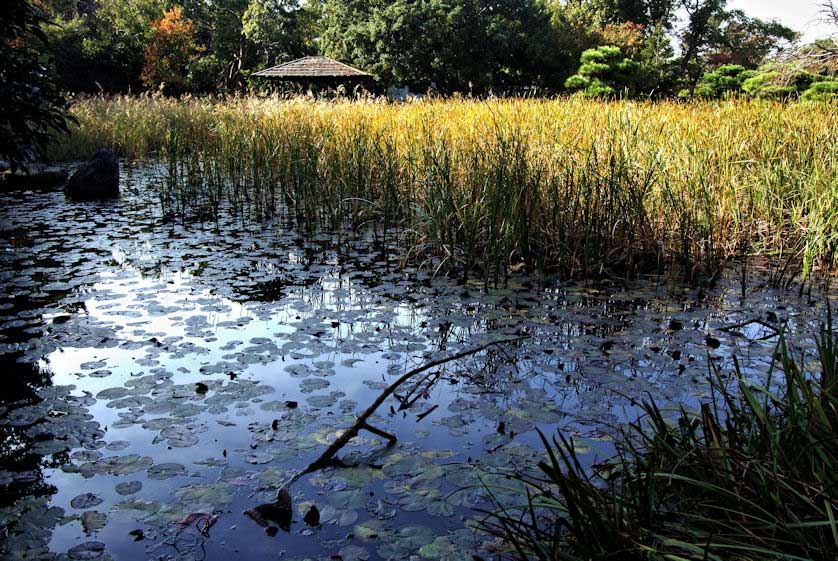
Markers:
(318, 71)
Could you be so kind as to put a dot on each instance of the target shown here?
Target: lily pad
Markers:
(85, 501)
(87, 550)
(128, 487)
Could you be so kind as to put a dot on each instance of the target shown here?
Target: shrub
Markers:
(604, 72)
(725, 80)
(822, 91)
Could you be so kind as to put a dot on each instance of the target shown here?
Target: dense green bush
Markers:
(767, 84)
(725, 80)
(605, 72)
(822, 91)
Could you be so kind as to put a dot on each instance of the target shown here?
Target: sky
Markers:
(800, 15)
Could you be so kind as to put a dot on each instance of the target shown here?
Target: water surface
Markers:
(161, 378)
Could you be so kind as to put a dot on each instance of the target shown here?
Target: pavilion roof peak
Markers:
(311, 67)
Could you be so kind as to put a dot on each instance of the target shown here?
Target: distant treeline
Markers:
(597, 47)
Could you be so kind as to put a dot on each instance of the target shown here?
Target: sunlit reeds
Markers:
(579, 187)
(751, 476)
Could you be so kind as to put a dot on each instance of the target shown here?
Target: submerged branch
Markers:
(280, 510)
(361, 423)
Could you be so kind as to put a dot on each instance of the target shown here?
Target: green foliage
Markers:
(736, 38)
(767, 84)
(822, 91)
(103, 49)
(715, 36)
(648, 13)
(725, 80)
(502, 46)
(452, 45)
(205, 74)
(658, 69)
(751, 476)
(604, 72)
(33, 108)
(278, 30)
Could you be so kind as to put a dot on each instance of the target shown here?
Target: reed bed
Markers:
(751, 476)
(578, 187)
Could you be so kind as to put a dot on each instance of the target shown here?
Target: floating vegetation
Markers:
(751, 476)
(156, 391)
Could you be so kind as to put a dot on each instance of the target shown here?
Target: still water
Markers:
(159, 379)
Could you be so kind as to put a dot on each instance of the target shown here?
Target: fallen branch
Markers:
(361, 423)
(280, 510)
(735, 326)
(424, 414)
(413, 395)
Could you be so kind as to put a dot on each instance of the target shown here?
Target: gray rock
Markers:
(96, 179)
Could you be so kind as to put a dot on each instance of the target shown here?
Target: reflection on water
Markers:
(161, 379)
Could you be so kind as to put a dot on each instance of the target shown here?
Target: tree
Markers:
(34, 109)
(605, 72)
(278, 29)
(220, 28)
(658, 67)
(695, 36)
(99, 44)
(454, 45)
(171, 49)
(648, 13)
(715, 36)
(740, 39)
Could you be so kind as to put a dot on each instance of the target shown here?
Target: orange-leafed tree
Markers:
(171, 49)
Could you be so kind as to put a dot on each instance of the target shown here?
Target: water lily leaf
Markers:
(123, 465)
(165, 471)
(321, 401)
(350, 498)
(128, 487)
(354, 553)
(93, 521)
(85, 501)
(313, 384)
(87, 550)
(214, 495)
(405, 542)
(259, 458)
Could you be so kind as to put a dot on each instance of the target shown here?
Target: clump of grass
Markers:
(578, 187)
(752, 476)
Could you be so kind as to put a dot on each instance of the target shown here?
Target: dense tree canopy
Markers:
(448, 44)
(170, 51)
(468, 46)
(31, 106)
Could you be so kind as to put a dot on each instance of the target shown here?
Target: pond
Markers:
(163, 378)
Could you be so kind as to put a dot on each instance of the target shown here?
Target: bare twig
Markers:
(361, 423)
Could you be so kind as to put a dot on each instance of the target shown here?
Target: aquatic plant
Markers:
(578, 187)
(753, 475)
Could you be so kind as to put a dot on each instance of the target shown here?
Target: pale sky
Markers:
(800, 15)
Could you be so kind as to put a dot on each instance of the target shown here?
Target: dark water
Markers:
(146, 368)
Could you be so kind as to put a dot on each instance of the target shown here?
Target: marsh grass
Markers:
(752, 476)
(578, 187)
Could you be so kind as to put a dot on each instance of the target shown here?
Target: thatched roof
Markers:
(312, 67)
